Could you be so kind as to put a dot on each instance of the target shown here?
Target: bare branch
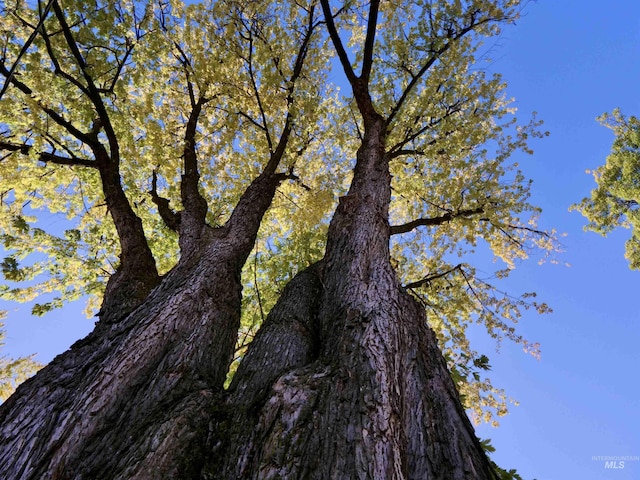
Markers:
(430, 278)
(170, 218)
(434, 221)
(337, 42)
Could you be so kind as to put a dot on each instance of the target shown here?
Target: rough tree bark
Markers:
(132, 400)
(357, 387)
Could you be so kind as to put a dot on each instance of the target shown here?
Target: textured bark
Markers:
(134, 398)
(357, 387)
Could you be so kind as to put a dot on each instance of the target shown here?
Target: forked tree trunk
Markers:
(361, 389)
(345, 380)
(134, 398)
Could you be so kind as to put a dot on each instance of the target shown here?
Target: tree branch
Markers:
(452, 110)
(48, 157)
(278, 153)
(372, 23)
(434, 221)
(452, 37)
(429, 278)
(57, 68)
(25, 47)
(94, 94)
(256, 92)
(55, 116)
(170, 218)
(337, 42)
(195, 206)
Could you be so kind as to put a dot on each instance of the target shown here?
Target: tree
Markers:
(224, 104)
(614, 202)
(13, 371)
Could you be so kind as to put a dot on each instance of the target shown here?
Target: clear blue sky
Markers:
(569, 60)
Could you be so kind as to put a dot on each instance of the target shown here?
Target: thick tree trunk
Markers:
(344, 380)
(358, 386)
(134, 398)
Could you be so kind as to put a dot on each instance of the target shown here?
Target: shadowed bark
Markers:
(133, 399)
(367, 393)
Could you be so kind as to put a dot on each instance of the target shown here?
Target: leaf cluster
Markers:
(615, 202)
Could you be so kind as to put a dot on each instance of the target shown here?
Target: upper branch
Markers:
(25, 47)
(434, 221)
(56, 64)
(94, 93)
(436, 54)
(55, 116)
(277, 155)
(398, 149)
(337, 42)
(414, 81)
(372, 23)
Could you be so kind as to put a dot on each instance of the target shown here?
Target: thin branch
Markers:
(372, 23)
(255, 284)
(48, 157)
(256, 92)
(55, 116)
(252, 120)
(512, 238)
(94, 94)
(434, 221)
(452, 110)
(430, 278)
(25, 47)
(277, 155)
(337, 42)
(429, 63)
(57, 69)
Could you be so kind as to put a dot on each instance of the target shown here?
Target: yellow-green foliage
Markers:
(451, 132)
(614, 202)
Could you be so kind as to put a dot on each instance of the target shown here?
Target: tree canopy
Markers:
(167, 111)
(614, 202)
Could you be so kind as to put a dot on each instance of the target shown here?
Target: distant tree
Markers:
(13, 371)
(615, 202)
(199, 152)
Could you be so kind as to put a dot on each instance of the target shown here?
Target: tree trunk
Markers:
(134, 398)
(361, 389)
